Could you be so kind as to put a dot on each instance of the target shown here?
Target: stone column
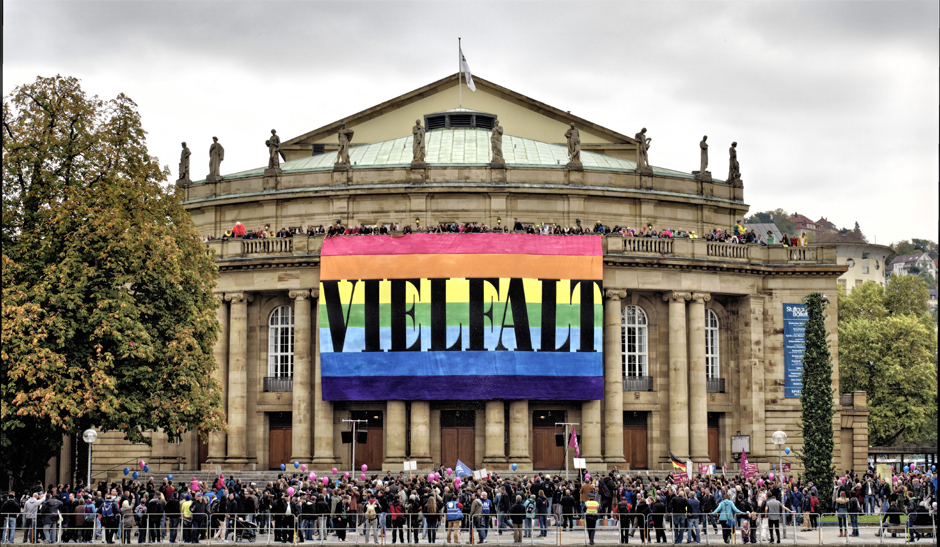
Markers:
(220, 350)
(698, 396)
(238, 378)
(750, 329)
(322, 410)
(300, 396)
(395, 427)
(421, 433)
(519, 433)
(591, 432)
(678, 375)
(613, 377)
(495, 452)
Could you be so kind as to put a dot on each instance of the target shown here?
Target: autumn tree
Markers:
(108, 313)
(887, 348)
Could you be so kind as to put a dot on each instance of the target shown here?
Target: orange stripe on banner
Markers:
(461, 266)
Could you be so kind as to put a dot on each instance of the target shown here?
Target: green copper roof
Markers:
(452, 147)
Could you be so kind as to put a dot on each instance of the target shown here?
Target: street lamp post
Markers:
(780, 439)
(89, 436)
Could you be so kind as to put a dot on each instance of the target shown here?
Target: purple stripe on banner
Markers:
(434, 388)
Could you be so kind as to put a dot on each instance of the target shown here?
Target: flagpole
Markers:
(459, 88)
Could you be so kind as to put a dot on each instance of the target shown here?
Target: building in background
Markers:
(912, 264)
(865, 262)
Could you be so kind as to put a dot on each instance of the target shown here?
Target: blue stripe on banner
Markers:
(536, 365)
(462, 387)
(355, 338)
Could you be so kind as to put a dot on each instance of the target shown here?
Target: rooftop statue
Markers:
(734, 169)
(418, 145)
(184, 163)
(643, 151)
(216, 155)
(704, 162)
(574, 144)
(496, 142)
(274, 151)
(345, 136)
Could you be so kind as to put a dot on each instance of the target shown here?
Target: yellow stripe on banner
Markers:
(458, 291)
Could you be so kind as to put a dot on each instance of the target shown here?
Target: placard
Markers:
(785, 467)
(411, 465)
(794, 335)
(579, 463)
(680, 477)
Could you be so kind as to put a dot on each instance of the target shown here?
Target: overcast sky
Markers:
(834, 105)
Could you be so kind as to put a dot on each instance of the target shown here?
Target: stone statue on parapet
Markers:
(574, 145)
(643, 152)
(345, 136)
(418, 148)
(734, 169)
(703, 173)
(274, 152)
(184, 179)
(216, 156)
(496, 145)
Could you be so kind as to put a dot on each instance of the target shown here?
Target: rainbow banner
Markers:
(461, 317)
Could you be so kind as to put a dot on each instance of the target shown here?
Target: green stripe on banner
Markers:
(458, 313)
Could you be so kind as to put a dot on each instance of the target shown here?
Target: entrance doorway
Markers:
(458, 428)
(546, 454)
(635, 439)
(714, 437)
(372, 453)
(279, 439)
(203, 451)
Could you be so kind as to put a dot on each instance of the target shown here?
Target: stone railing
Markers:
(274, 384)
(275, 245)
(638, 383)
(613, 246)
(714, 385)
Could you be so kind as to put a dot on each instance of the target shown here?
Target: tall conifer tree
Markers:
(816, 399)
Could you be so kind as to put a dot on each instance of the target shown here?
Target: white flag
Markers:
(465, 68)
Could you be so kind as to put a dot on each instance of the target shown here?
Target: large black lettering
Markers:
(334, 312)
(399, 315)
(476, 311)
(439, 318)
(515, 299)
(587, 312)
(549, 319)
(371, 310)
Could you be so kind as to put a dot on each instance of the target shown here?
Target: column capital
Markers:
(615, 294)
(701, 297)
(677, 296)
(239, 296)
(299, 294)
(220, 296)
(315, 293)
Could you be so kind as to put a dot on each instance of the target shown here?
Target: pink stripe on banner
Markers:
(524, 244)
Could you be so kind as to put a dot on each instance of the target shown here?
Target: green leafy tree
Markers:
(778, 216)
(816, 398)
(866, 301)
(906, 295)
(108, 313)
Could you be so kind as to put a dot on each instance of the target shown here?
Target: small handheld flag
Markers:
(676, 462)
(573, 441)
(462, 470)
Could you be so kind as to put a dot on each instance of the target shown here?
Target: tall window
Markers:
(841, 284)
(281, 343)
(711, 345)
(634, 342)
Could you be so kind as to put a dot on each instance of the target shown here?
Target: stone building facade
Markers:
(692, 330)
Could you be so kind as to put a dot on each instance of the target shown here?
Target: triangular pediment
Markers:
(519, 115)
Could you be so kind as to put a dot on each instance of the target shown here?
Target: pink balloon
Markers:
(449, 471)
(290, 490)
(770, 476)
(841, 479)
(325, 480)
(760, 482)
(365, 468)
(303, 467)
(457, 482)
(334, 471)
(895, 478)
(140, 464)
(362, 476)
(587, 476)
(430, 477)
(312, 476)
(346, 475)
(437, 476)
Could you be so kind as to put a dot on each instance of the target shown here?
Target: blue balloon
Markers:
(146, 469)
(126, 471)
(906, 469)
(283, 467)
(786, 450)
(296, 465)
(933, 467)
(169, 477)
(514, 467)
(136, 475)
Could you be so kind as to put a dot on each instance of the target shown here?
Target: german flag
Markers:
(678, 464)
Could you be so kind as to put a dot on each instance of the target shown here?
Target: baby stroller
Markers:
(245, 530)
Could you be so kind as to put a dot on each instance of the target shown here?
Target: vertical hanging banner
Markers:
(794, 335)
(461, 316)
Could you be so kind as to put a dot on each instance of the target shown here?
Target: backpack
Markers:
(853, 505)
(605, 488)
(90, 511)
(370, 511)
(395, 510)
(529, 507)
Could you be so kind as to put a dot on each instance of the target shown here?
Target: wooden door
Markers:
(203, 451)
(279, 445)
(457, 443)
(373, 452)
(714, 440)
(545, 455)
(634, 446)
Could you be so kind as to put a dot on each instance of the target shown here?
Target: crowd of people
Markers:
(736, 234)
(407, 508)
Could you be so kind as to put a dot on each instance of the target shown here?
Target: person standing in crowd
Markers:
(567, 510)
(517, 516)
(590, 518)
(10, 509)
(695, 517)
(727, 512)
(774, 510)
(624, 515)
(454, 512)
(128, 521)
(658, 515)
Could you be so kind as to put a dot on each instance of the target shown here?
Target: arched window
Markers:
(711, 345)
(635, 328)
(281, 343)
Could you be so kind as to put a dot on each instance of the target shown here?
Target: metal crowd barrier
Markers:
(797, 528)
